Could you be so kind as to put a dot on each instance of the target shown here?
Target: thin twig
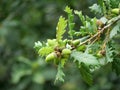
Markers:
(110, 23)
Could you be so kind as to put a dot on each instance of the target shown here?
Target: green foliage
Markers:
(96, 8)
(45, 51)
(85, 58)
(116, 66)
(114, 3)
(92, 49)
(60, 74)
(86, 63)
(115, 30)
(86, 74)
(109, 54)
(82, 18)
(60, 29)
(71, 23)
(22, 69)
(89, 25)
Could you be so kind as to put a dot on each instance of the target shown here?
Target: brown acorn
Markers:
(100, 24)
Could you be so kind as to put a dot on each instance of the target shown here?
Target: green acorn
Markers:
(76, 42)
(90, 51)
(66, 51)
(99, 55)
(81, 48)
(50, 57)
(115, 10)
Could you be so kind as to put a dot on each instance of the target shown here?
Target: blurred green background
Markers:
(23, 22)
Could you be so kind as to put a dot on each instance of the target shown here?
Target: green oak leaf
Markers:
(60, 29)
(86, 74)
(60, 74)
(87, 59)
(115, 30)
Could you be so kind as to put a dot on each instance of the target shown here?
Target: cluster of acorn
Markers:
(62, 52)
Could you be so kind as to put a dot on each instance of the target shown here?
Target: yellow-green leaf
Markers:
(45, 51)
(60, 30)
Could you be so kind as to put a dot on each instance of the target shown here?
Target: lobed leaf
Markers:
(71, 23)
(109, 54)
(60, 74)
(45, 51)
(116, 64)
(115, 30)
(81, 16)
(96, 8)
(68, 10)
(85, 58)
(60, 30)
(86, 74)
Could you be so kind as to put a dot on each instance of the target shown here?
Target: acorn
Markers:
(81, 48)
(100, 24)
(66, 51)
(90, 51)
(115, 10)
(51, 57)
(76, 42)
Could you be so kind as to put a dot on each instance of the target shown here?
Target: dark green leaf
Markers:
(85, 58)
(115, 30)
(116, 65)
(86, 74)
(109, 54)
